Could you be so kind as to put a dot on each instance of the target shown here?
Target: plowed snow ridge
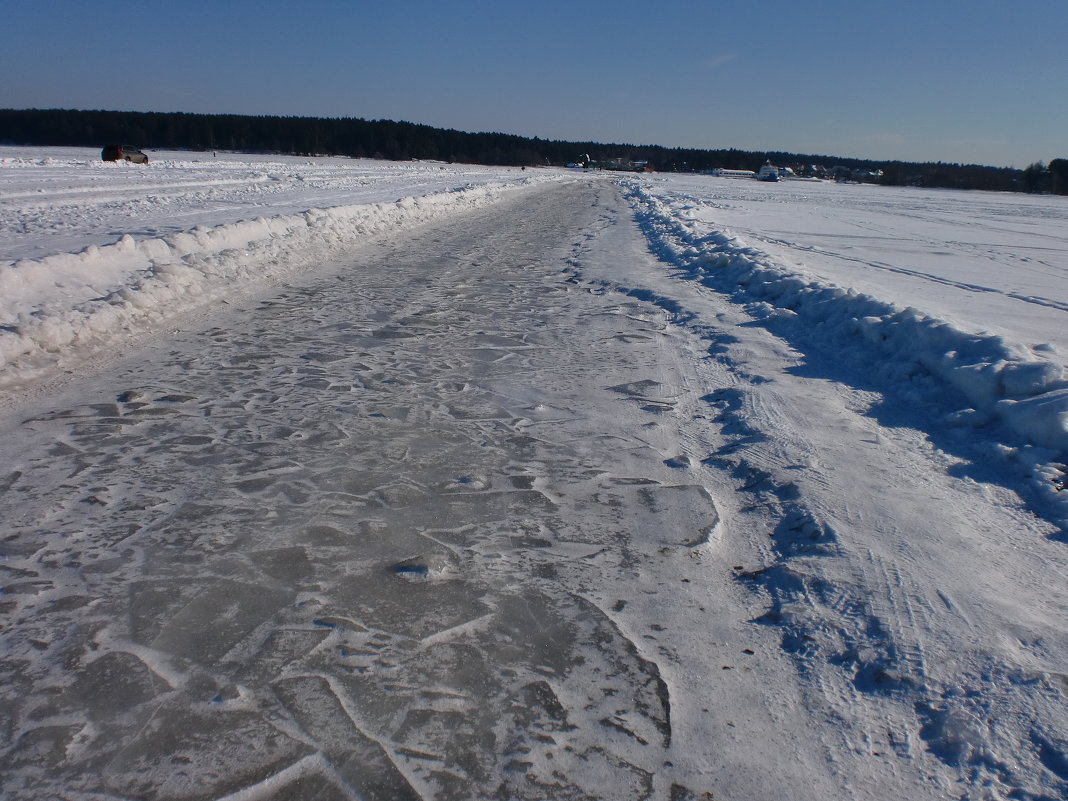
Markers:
(66, 300)
(1005, 380)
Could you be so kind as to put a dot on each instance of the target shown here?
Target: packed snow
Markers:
(89, 248)
(342, 479)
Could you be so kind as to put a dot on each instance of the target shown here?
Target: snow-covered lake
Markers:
(90, 248)
(64, 199)
(989, 261)
(339, 479)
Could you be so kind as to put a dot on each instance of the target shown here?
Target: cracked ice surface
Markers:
(354, 537)
(533, 502)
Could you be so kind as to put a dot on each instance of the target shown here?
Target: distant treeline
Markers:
(385, 139)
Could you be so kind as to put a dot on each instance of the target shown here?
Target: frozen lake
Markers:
(438, 482)
(988, 260)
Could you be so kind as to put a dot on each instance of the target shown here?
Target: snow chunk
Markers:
(1042, 418)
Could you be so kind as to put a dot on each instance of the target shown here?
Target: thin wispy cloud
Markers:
(719, 60)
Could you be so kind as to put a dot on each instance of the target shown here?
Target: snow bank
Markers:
(54, 305)
(1024, 387)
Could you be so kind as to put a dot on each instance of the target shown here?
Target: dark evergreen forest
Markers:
(386, 139)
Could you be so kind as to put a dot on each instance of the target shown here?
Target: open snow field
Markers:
(336, 479)
(63, 199)
(986, 260)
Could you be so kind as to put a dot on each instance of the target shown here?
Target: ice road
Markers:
(513, 507)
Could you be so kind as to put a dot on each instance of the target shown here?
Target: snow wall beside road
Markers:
(1003, 380)
(53, 306)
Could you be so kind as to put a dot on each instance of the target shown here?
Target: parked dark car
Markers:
(123, 152)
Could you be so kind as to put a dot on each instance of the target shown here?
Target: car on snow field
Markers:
(123, 153)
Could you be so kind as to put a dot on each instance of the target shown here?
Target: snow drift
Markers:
(68, 300)
(999, 377)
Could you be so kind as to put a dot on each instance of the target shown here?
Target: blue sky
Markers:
(919, 80)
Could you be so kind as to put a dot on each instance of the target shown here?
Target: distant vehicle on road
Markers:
(123, 153)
